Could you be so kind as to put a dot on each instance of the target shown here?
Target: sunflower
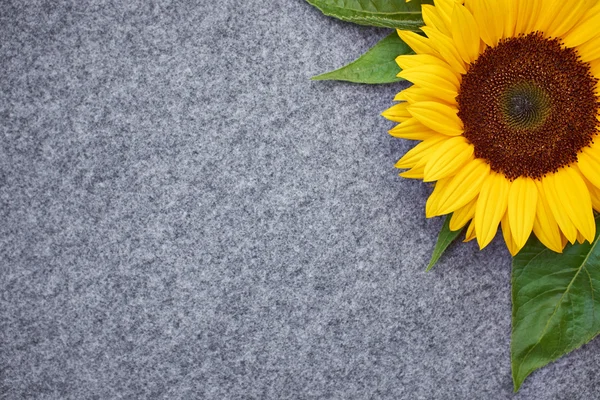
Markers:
(505, 104)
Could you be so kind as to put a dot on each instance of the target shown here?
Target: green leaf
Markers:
(556, 303)
(445, 238)
(384, 13)
(377, 65)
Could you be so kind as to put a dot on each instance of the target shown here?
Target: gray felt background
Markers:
(184, 214)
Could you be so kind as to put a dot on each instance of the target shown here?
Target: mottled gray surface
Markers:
(183, 214)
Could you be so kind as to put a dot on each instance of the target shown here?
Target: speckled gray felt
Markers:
(183, 214)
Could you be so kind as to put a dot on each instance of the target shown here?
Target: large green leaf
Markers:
(445, 238)
(556, 303)
(377, 65)
(385, 13)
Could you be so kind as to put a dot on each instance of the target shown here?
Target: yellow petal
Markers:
(586, 29)
(571, 199)
(580, 238)
(444, 11)
(488, 19)
(417, 94)
(397, 113)
(529, 24)
(439, 117)
(525, 11)
(412, 129)
(508, 10)
(419, 60)
(448, 158)
(589, 164)
(446, 48)
(576, 200)
(465, 33)
(589, 50)
(595, 68)
(568, 17)
(522, 201)
(422, 75)
(491, 207)
(548, 13)
(433, 201)
(421, 150)
(433, 77)
(415, 172)
(594, 195)
(470, 235)
(564, 240)
(545, 226)
(463, 215)
(508, 237)
(432, 18)
(461, 188)
(419, 44)
(562, 219)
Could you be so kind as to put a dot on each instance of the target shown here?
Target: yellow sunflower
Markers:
(505, 104)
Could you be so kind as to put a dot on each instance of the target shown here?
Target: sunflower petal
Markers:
(545, 226)
(439, 117)
(589, 50)
(433, 202)
(397, 113)
(461, 188)
(415, 172)
(525, 10)
(432, 18)
(595, 68)
(444, 11)
(423, 149)
(412, 129)
(491, 207)
(419, 44)
(589, 165)
(508, 10)
(448, 158)
(529, 24)
(446, 48)
(463, 215)
(548, 13)
(471, 234)
(580, 238)
(435, 78)
(570, 203)
(522, 201)
(594, 195)
(426, 75)
(576, 201)
(586, 28)
(417, 94)
(488, 18)
(465, 33)
(419, 60)
(508, 237)
(564, 222)
(569, 17)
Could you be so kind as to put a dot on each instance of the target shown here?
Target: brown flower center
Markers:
(528, 106)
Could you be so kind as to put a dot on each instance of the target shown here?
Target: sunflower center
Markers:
(528, 106)
(525, 105)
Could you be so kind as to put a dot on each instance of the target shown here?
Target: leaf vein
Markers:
(558, 303)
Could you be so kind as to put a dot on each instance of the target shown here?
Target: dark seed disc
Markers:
(528, 106)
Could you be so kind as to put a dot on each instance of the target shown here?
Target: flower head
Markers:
(505, 105)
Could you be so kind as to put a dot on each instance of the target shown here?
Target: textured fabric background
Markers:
(184, 214)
